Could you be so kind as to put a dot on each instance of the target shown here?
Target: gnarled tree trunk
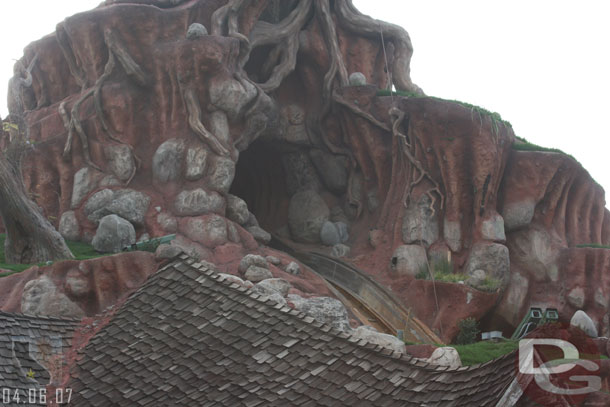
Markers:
(30, 236)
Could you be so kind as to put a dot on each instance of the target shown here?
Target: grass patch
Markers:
(442, 271)
(80, 250)
(481, 352)
(524, 145)
(593, 246)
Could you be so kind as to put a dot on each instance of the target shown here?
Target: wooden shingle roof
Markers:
(31, 350)
(189, 337)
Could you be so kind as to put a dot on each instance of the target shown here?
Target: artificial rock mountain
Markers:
(174, 127)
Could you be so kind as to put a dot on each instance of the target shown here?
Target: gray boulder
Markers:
(445, 356)
(127, 203)
(221, 175)
(357, 79)
(198, 202)
(196, 31)
(332, 170)
(85, 181)
(252, 260)
(293, 268)
(231, 96)
(234, 279)
(167, 251)
(272, 285)
(477, 279)
(211, 230)
(518, 214)
(576, 297)
(370, 335)
(168, 161)
(113, 234)
(340, 250)
(307, 212)
(409, 259)
(120, 160)
(329, 234)
(323, 309)
(41, 297)
(256, 274)
(68, 226)
(167, 222)
(196, 159)
(492, 258)
(273, 260)
(493, 229)
(419, 223)
(581, 320)
(343, 231)
(237, 210)
(259, 234)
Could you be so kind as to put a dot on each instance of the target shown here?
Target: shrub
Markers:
(469, 331)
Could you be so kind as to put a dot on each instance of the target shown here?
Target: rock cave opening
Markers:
(260, 180)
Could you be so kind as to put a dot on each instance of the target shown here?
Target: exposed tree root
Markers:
(72, 122)
(194, 119)
(407, 149)
(350, 18)
(64, 43)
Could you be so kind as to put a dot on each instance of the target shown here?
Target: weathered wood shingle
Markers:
(31, 349)
(188, 337)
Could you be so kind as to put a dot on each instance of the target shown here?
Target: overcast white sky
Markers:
(544, 65)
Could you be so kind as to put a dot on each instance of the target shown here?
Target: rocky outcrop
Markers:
(306, 216)
(113, 235)
(41, 297)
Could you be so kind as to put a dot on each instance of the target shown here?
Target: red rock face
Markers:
(93, 285)
(457, 190)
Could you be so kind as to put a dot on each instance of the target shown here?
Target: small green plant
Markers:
(490, 284)
(442, 270)
(593, 246)
(469, 331)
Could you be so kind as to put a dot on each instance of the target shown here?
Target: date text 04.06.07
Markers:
(35, 396)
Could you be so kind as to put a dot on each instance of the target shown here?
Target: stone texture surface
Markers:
(167, 251)
(419, 223)
(357, 79)
(259, 234)
(126, 203)
(41, 297)
(168, 161)
(518, 214)
(493, 228)
(120, 161)
(196, 31)
(340, 250)
(221, 174)
(85, 181)
(272, 285)
(332, 170)
(113, 234)
(252, 260)
(307, 213)
(237, 210)
(409, 259)
(293, 268)
(329, 234)
(581, 320)
(256, 274)
(323, 309)
(491, 258)
(198, 202)
(209, 230)
(445, 356)
(387, 341)
(196, 160)
(68, 226)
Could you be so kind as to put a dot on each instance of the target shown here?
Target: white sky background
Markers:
(544, 65)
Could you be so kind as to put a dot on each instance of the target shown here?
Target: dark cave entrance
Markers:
(260, 180)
